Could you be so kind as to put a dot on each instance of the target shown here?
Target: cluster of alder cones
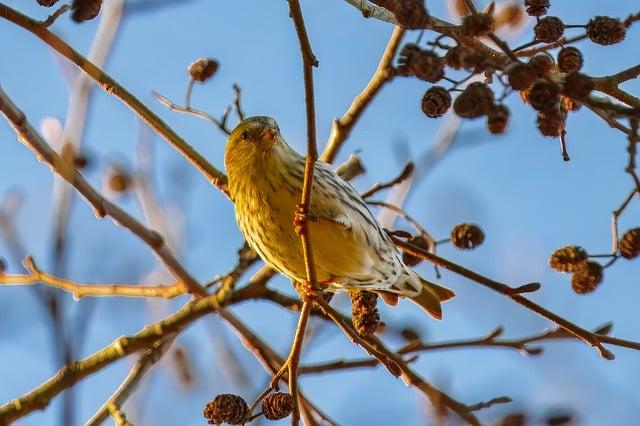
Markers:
(551, 84)
(588, 274)
(234, 410)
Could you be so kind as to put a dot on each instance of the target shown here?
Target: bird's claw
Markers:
(307, 292)
(301, 217)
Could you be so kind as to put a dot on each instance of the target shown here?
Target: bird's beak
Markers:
(269, 133)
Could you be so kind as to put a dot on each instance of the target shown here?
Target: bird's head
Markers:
(251, 143)
(258, 132)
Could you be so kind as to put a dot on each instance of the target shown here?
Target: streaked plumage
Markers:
(350, 248)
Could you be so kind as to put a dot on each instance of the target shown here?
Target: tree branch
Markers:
(37, 276)
(101, 206)
(510, 292)
(109, 85)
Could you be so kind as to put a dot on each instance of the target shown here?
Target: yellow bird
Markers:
(350, 249)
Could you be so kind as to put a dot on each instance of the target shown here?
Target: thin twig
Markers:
(405, 174)
(132, 381)
(510, 292)
(37, 276)
(101, 206)
(237, 102)
(220, 124)
(55, 15)
(109, 85)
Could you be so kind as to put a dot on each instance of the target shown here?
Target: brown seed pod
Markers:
(549, 29)
(477, 25)
(436, 101)
(629, 244)
(364, 314)
(47, 3)
(454, 57)
(568, 258)
(475, 101)
(498, 119)
(587, 277)
(117, 179)
(521, 76)
(536, 7)
(424, 64)
(569, 59)
(605, 30)
(202, 69)
(577, 86)
(226, 408)
(410, 334)
(467, 236)
(277, 405)
(543, 64)
(550, 124)
(544, 95)
(419, 241)
(461, 56)
(411, 14)
(85, 10)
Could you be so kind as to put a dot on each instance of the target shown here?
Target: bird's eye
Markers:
(244, 136)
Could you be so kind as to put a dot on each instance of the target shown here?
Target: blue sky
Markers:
(515, 186)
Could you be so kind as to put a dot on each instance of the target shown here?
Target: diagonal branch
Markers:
(69, 375)
(132, 381)
(101, 206)
(109, 85)
(513, 293)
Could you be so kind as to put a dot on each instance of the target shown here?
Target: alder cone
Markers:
(550, 124)
(629, 244)
(568, 258)
(277, 405)
(549, 29)
(226, 408)
(475, 101)
(544, 95)
(202, 69)
(467, 236)
(411, 14)
(85, 10)
(604, 30)
(536, 7)
(587, 278)
(498, 119)
(436, 101)
(521, 76)
(570, 59)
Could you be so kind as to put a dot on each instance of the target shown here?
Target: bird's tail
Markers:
(426, 295)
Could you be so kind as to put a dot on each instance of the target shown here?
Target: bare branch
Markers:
(37, 276)
(101, 206)
(109, 85)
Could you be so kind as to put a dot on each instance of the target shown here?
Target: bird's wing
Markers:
(349, 238)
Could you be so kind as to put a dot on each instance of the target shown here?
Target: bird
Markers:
(351, 251)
